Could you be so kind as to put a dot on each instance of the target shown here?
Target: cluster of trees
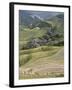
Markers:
(52, 37)
(40, 24)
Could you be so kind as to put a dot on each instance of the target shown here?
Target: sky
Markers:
(40, 14)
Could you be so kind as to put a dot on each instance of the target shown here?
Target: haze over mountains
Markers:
(33, 17)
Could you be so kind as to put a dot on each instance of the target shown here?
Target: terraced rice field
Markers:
(41, 62)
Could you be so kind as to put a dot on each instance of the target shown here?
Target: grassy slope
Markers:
(31, 33)
(27, 34)
(45, 61)
(57, 22)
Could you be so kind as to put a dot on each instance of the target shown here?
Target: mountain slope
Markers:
(47, 32)
(41, 45)
(32, 18)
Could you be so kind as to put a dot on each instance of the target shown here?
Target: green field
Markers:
(27, 34)
(44, 61)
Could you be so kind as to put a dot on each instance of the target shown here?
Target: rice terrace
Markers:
(41, 44)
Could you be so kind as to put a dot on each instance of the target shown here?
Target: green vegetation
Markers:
(42, 57)
(38, 75)
(24, 60)
(41, 49)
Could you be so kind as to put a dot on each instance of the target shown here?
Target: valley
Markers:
(41, 45)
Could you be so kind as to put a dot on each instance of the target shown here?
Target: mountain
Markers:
(43, 14)
(57, 18)
(26, 19)
(42, 32)
(41, 44)
(34, 18)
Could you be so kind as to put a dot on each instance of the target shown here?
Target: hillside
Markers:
(41, 44)
(44, 63)
(49, 32)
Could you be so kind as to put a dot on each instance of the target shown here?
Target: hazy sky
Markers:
(41, 14)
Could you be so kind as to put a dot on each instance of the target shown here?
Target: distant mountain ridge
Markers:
(36, 31)
(28, 18)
